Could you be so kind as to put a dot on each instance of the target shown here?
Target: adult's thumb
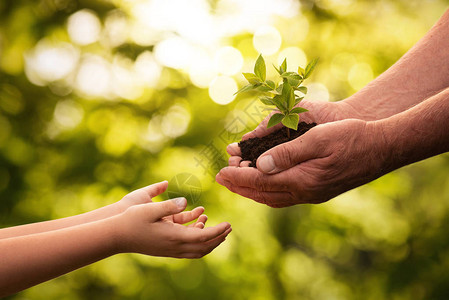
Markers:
(168, 207)
(286, 155)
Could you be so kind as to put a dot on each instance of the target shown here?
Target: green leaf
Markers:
(291, 121)
(275, 119)
(288, 95)
(301, 71)
(278, 100)
(310, 67)
(266, 100)
(271, 84)
(292, 77)
(260, 69)
(302, 89)
(298, 110)
(279, 71)
(283, 67)
(245, 89)
(298, 99)
(264, 88)
(279, 88)
(252, 78)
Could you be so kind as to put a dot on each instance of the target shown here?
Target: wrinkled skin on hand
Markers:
(328, 160)
(320, 112)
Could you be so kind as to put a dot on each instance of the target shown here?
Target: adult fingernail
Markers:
(219, 179)
(181, 201)
(266, 163)
(230, 148)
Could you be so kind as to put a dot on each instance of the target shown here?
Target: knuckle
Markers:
(285, 155)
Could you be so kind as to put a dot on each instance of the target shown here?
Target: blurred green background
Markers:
(98, 98)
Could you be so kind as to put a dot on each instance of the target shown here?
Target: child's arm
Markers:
(143, 195)
(146, 228)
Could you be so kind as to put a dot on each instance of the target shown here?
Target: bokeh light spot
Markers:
(174, 52)
(295, 57)
(222, 90)
(317, 91)
(267, 40)
(68, 113)
(228, 60)
(359, 75)
(94, 76)
(84, 27)
(50, 61)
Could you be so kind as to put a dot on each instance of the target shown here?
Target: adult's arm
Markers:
(422, 72)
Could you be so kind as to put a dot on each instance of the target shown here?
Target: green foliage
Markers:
(281, 96)
(386, 240)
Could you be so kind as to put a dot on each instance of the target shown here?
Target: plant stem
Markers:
(288, 132)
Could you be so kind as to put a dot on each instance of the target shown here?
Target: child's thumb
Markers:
(169, 207)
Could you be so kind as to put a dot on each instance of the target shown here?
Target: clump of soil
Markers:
(254, 147)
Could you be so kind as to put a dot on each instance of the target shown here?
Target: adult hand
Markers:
(320, 112)
(326, 161)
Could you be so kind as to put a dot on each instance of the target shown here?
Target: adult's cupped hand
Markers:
(333, 157)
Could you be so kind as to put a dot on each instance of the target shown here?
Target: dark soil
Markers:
(253, 148)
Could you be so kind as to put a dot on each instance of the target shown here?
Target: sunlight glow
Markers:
(267, 40)
(176, 121)
(228, 60)
(84, 27)
(359, 75)
(147, 69)
(68, 113)
(191, 38)
(50, 62)
(93, 78)
(222, 90)
(317, 91)
(190, 19)
(125, 83)
(295, 57)
(174, 52)
(202, 69)
(116, 28)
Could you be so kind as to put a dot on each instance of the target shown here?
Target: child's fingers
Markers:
(197, 250)
(158, 210)
(155, 189)
(200, 223)
(187, 216)
(207, 234)
(202, 219)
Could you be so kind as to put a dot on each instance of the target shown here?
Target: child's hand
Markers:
(155, 229)
(146, 194)
(142, 195)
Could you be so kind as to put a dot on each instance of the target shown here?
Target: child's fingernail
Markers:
(181, 201)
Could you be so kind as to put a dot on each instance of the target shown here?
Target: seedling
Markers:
(281, 95)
